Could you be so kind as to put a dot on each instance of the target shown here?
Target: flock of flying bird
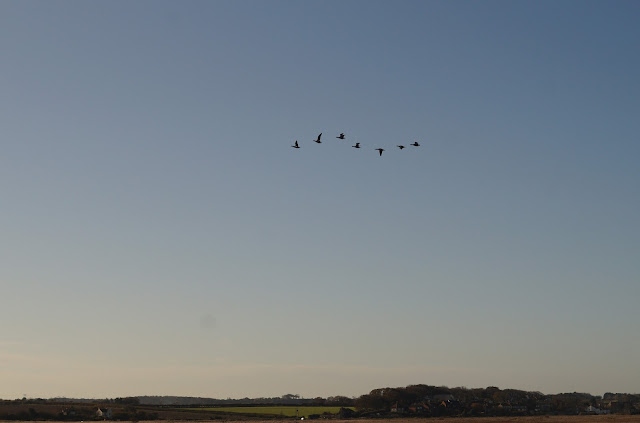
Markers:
(342, 137)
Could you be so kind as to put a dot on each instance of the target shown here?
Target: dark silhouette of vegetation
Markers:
(127, 401)
(434, 401)
(413, 400)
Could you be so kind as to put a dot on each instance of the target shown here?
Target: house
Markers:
(419, 408)
(545, 406)
(397, 409)
(593, 410)
(478, 407)
(105, 414)
(441, 397)
(450, 404)
(68, 411)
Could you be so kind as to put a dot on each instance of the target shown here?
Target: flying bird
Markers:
(380, 150)
(318, 140)
(296, 145)
(356, 146)
(416, 144)
(341, 136)
(400, 146)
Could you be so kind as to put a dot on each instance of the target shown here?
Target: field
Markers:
(285, 411)
(618, 418)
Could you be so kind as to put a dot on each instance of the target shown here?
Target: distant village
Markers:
(425, 400)
(412, 400)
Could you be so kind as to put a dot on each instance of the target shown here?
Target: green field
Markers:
(287, 411)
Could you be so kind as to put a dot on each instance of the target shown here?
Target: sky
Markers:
(161, 237)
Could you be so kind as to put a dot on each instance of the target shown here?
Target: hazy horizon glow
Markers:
(161, 237)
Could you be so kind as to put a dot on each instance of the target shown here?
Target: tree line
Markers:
(461, 401)
(423, 400)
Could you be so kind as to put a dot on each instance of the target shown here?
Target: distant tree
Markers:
(489, 391)
(423, 391)
(340, 400)
(463, 394)
(370, 402)
(346, 413)
(127, 401)
(319, 401)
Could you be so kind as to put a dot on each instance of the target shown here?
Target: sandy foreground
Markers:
(617, 418)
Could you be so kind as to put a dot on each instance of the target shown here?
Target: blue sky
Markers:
(161, 237)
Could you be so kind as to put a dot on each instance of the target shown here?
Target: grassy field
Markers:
(617, 418)
(611, 418)
(285, 411)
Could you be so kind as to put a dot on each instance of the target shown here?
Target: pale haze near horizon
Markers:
(160, 236)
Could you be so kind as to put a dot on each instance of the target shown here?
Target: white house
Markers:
(104, 414)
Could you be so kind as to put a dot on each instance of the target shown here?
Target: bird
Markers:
(318, 140)
(416, 144)
(356, 146)
(380, 150)
(341, 136)
(296, 145)
(400, 147)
